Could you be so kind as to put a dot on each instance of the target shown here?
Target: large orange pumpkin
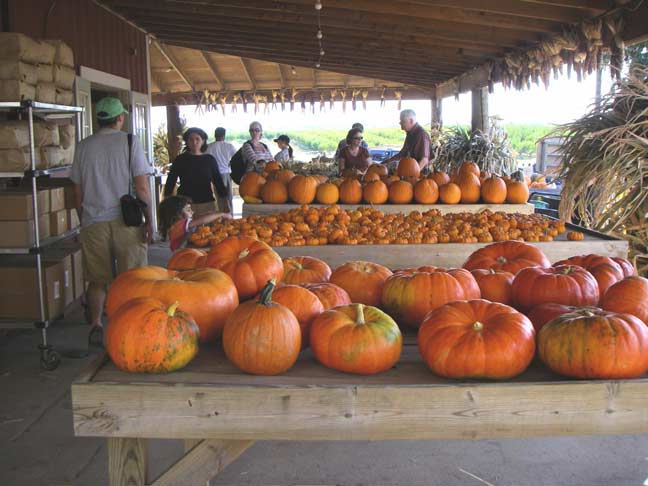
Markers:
(370, 177)
(401, 192)
(301, 302)
(408, 167)
(627, 267)
(495, 285)
(629, 296)
(208, 295)
(304, 269)
(251, 184)
(356, 339)
(249, 262)
(470, 187)
(543, 313)
(564, 284)
(147, 336)
(262, 337)
(272, 166)
(329, 294)
(363, 281)
(408, 295)
(379, 169)
(375, 192)
(510, 256)
(517, 190)
(426, 191)
(327, 193)
(282, 175)
(350, 191)
(476, 339)
(493, 190)
(187, 259)
(302, 189)
(450, 193)
(439, 177)
(605, 270)
(595, 344)
(468, 167)
(274, 192)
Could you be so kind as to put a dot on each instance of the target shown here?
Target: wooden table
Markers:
(265, 209)
(220, 411)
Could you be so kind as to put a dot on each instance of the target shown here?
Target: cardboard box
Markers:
(73, 219)
(18, 206)
(62, 182)
(20, 234)
(58, 222)
(77, 274)
(57, 198)
(19, 289)
(63, 257)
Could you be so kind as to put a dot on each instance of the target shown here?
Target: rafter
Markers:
(246, 71)
(281, 76)
(213, 68)
(170, 59)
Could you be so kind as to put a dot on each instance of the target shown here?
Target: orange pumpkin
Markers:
(147, 336)
(363, 281)
(468, 167)
(439, 177)
(401, 192)
(517, 190)
(356, 339)
(187, 259)
(272, 166)
(301, 302)
(329, 294)
(302, 189)
(450, 193)
(629, 296)
(327, 193)
(304, 269)
(274, 192)
(350, 192)
(606, 271)
(426, 191)
(251, 184)
(470, 187)
(543, 313)
(476, 339)
(495, 285)
(389, 180)
(208, 295)
(493, 190)
(408, 167)
(370, 177)
(379, 169)
(510, 256)
(249, 262)
(282, 175)
(262, 337)
(375, 192)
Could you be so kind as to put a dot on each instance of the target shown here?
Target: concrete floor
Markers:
(38, 446)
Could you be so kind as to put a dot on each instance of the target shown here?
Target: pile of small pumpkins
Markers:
(468, 185)
(484, 320)
(332, 225)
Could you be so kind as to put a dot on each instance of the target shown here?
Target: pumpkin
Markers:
(302, 189)
(327, 193)
(493, 190)
(494, 285)
(304, 269)
(379, 169)
(510, 256)
(262, 337)
(629, 296)
(517, 190)
(401, 192)
(426, 191)
(450, 193)
(408, 295)
(281, 175)
(186, 259)
(146, 335)
(249, 262)
(605, 270)
(439, 177)
(251, 184)
(543, 313)
(564, 284)
(476, 339)
(595, 344)
(408, 167)
(356, 339)
(575, 236)
(370, 177)
(363, 281)
(470, 187)
(274, 192)
(321, 178)
(303, 303)
(349, 173)
(272, 166)
(468, 167)
(329, 294)
(350, 192)
(208, 295)
(389, 180)
(375, 192)
(626, 266)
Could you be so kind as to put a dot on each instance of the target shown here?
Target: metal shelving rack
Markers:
(49, 358)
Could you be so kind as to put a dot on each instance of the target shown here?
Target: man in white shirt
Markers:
(223, 152)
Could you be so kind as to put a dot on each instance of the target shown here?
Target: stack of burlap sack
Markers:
(42, 71)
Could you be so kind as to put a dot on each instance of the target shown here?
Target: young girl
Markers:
(177, 221)
(286, 153)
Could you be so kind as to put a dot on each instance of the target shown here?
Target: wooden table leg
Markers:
(127, 461)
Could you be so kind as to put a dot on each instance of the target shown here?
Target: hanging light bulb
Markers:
(317, 65)
(318, 5)
(322, 52)
(319, 34)
(293, 70)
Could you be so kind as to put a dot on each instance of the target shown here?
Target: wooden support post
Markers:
(480, 109)
(174, 129)
(127, 461)
(437, 113)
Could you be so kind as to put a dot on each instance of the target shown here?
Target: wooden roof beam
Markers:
(214, 69)
(282, 81)
(170, 59)
(246, 71)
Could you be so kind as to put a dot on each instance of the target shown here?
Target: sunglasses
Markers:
(357, 138)
(255, 129)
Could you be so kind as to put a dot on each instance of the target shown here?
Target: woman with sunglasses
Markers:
(354, 155)
(254, 150)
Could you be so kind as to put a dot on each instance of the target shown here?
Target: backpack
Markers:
(237, 164)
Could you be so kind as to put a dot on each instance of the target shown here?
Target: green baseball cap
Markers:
(108, 108)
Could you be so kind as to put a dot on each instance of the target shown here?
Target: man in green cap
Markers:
(104, 170)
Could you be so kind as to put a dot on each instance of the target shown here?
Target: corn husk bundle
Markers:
(605, 165)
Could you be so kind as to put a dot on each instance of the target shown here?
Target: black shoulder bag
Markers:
(132, 207)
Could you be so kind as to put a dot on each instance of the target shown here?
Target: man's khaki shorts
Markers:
(110, 248)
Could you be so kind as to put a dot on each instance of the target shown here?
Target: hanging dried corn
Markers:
(222, 100)
(332, 98)
(365, 95)
(354, 96)
(617, 45)
(382, 97)
(274, 99)
(593, 32)
(235, 100)
(266, 105)
(312, 103)
(293, 99)
(212, 102)
(343, 94)
(322, 101)
(256, 99)
(282, 95)
(244, 101)
(398, 95)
